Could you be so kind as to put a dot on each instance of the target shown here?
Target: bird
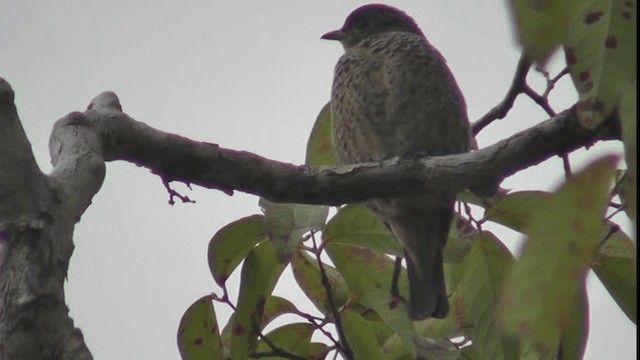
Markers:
(394, 96)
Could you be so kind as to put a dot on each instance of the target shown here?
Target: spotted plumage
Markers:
(394, 96)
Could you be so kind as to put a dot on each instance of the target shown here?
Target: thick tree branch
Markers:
(175, 158)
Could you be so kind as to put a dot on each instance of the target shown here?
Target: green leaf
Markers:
(564, 233)
(294, 338)
(287, 223)
(440, 349)
(364, 269)
(260, 272)
(574, 342)
(307, 274)
(514, 210)
(360, 336)
(541, 25)
(475, 300)
(275, 307)
(318, 351)
(320, 143)
(616, 267)
(198, 335)
(629, 118)
(601, 51)
(232, 243)
(356, 225)
(368, 275)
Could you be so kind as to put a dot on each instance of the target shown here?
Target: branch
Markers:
(501, 110)
(208, 165)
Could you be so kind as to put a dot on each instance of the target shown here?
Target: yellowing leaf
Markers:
(260, 272)
(232, 243)
(541, 25)
(616, 267)
(475, 300)
(198, 333)
(356, 225)
(542, 288)
(320, 145)
(601, 51)
(307, 274)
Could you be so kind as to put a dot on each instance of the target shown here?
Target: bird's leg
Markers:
(397, 269)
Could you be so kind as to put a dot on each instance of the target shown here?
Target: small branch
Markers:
(501, 110)
(275, 350)
(173, 193)
(542, 101)
(566, 164)
(612, 230)
(344, 347)
(319, 324)
(551, 82)
(224, 298)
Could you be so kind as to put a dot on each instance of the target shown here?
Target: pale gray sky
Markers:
(246, 75)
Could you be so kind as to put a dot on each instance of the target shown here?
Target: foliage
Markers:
(501, 307)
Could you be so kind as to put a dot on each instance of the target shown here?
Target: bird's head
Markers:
(370, 20)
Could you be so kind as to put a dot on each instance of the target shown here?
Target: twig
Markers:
(224, 298)
(551, 82)
(318, 323)
(500, 111)
(344, 348)
(275, 350)
(397, 270)
(173, 193)
(566, 165)
(478, 223)
(612, 230)
(539, 99)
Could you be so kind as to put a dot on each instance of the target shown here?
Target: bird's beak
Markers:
(333, 35)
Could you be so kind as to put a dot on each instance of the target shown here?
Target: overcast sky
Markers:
(247, 77)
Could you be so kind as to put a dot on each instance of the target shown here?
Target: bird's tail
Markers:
(422, 229)
(428, 293)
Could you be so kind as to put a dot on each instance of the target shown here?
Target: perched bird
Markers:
(394, 96)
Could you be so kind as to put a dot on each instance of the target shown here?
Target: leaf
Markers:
(229, 246)
(198, 335)
(294, 338)
(320, 144)
(541, 25)
(574, 342)
(360, 336)
(629, 119)
(616, 267)
(440, 349)
(275, 307)
(514, 210)
(368, 275)
(260, 272)
(318, 351)
(475, 300)
(356, 225)
(287, 223)
(564, 233)
(601, 51)
(364, 269)
(307, 274)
